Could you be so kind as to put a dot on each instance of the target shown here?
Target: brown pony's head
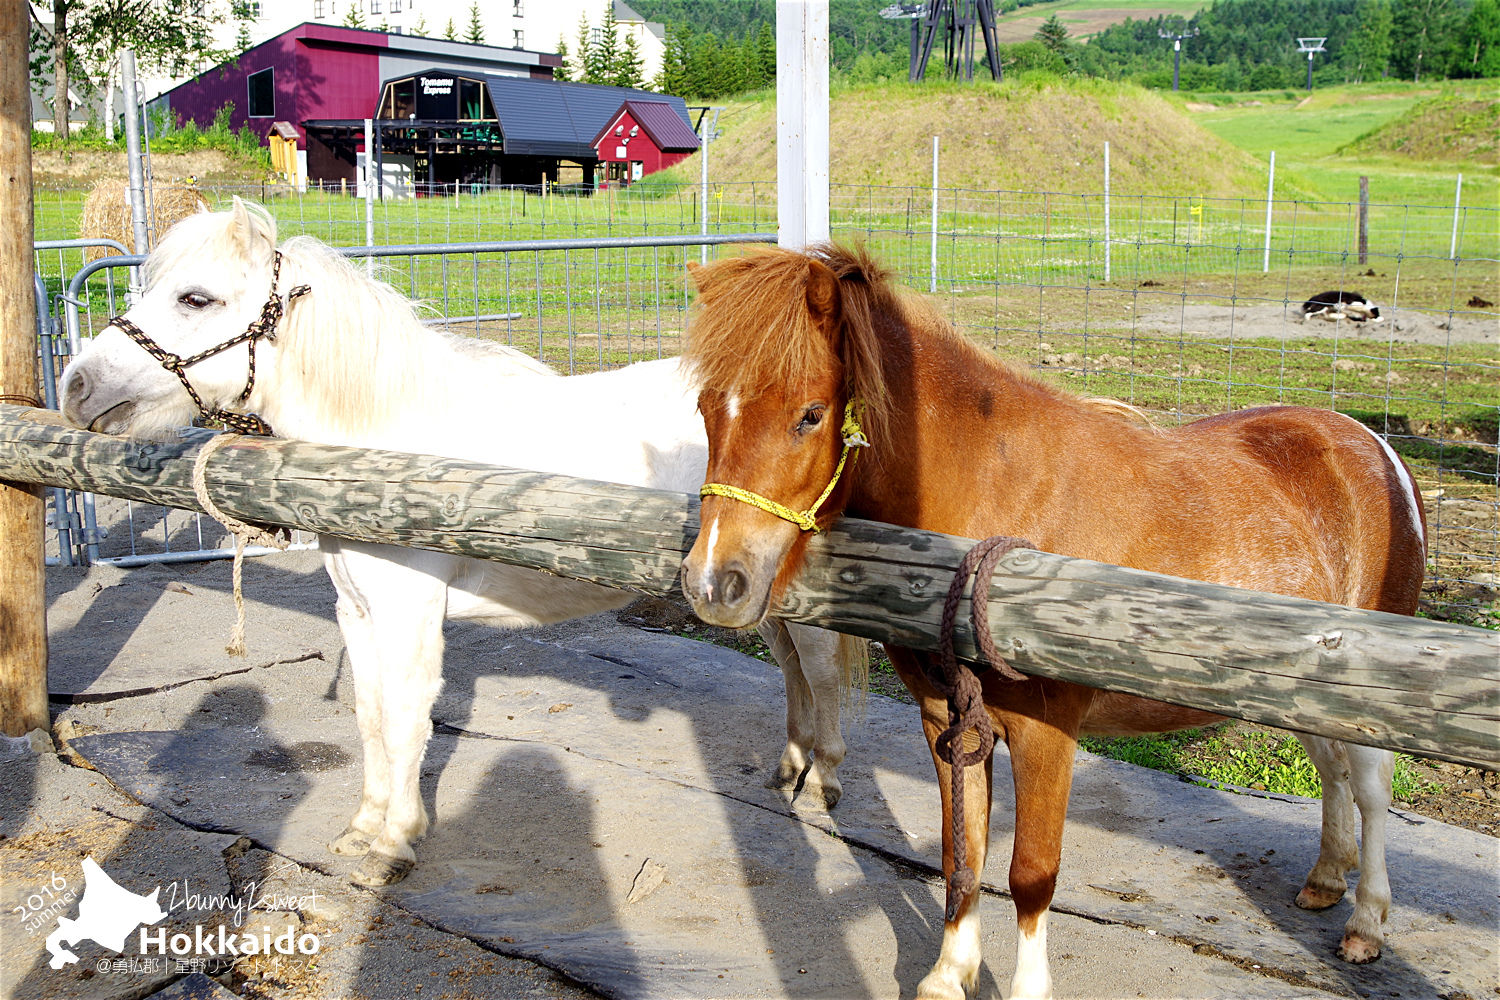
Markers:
(780, 343)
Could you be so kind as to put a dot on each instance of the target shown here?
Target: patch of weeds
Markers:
(1248, 758)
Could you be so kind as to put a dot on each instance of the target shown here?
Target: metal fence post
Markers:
(1458, 192)
(1364, 220)
(932, 285)
(1106, 212)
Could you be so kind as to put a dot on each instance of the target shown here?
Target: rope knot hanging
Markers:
(955, 681)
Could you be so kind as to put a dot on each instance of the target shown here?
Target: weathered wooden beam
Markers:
(1425, 687)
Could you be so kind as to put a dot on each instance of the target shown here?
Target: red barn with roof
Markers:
(642, 137)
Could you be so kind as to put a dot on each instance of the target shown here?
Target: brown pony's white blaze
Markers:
(1279, 499)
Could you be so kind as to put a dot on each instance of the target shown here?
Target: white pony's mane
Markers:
(353, 352)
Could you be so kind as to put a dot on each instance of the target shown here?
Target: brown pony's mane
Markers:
(753, 328)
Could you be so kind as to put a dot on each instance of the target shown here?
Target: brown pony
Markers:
(1280, 499)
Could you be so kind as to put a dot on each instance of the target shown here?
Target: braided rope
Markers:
(20, 399)
(244, 533)
(966, 710)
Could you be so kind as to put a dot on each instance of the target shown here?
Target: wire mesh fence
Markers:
(1183, 306)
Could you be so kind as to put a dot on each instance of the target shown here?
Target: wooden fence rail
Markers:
(1425, 687)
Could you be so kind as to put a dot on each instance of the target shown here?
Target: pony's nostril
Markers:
(734, 584)
(77, 387)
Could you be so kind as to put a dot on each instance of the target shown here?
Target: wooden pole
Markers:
(23, 623)
(1421, 686)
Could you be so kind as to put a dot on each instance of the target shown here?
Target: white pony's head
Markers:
(206, 283)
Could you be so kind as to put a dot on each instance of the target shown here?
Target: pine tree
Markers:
(449, 32)
(355, 18)
(628, 66)
(671, 77)
(1053, 34)
(420, 28)
(608, 57)
(588, 53)
(765, 41)
(475, 31)
(565, 70)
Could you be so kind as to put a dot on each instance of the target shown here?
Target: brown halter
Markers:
(263, 327)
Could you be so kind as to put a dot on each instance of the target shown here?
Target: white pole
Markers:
(370, 181)
(133, 153)
(1458, 193)
(1106, 211)
(710, 120)
(1265, 264)
(932, 284)
(801, 122)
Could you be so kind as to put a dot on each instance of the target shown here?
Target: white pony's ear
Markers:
(252, 238)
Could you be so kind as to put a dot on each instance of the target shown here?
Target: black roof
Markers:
(541, 117)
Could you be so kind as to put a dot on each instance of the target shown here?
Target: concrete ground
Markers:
(602, 828)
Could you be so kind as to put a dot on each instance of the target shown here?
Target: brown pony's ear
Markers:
(695, 271)
(822, 294)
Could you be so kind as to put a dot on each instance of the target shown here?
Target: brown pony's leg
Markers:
(1042, 746)
(957, 967)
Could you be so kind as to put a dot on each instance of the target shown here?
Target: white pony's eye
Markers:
(194, 300)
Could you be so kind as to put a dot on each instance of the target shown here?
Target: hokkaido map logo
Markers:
(110, 915)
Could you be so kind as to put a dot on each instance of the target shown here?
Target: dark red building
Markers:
(645, 135)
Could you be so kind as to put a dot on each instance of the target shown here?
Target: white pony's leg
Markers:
(1352, 774)
(364, 665)
(391, 608)
(799, 705)
(825, 677)
(1338, 852)
(1371, 770)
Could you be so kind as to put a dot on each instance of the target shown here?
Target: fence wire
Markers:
(1188, 308)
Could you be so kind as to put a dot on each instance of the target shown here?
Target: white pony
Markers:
(349, 363)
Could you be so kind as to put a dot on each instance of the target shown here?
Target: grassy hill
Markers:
(1039, 134)
(1451, 127)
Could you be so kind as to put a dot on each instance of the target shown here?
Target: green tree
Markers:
(765, 44)
(475, 32)
(672, 77)
(1479, 42)
(606, 48)
(449, 32)
(420, 28)
(565, 70)
(1422, 31)
(1368, 50)
(627, 72)
(1053, 34)
(355, 17)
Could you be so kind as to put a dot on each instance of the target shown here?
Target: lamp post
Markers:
(1311, 45)
(1176, 50)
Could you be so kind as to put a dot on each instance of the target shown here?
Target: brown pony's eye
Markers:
(811, 418)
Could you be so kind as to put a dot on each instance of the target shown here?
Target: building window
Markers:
(374, 6)
(519, 10)
(395, 6)
(520, 39)
(262, 103)
(318, 8)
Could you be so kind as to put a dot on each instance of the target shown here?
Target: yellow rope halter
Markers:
(807, 520)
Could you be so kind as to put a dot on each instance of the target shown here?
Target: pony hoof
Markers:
(1358, 949)
(1311, 898)
(940, 987)
(380, 869)
(351, 843)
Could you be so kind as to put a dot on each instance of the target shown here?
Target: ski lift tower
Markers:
(959, 20)
(1177, 38)
(1311, 45)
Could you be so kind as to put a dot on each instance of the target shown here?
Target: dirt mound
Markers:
(1027, 136)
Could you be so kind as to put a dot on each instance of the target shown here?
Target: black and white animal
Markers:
(1341, 305)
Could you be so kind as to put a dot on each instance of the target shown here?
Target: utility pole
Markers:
(1177, 38)
(1310, 46)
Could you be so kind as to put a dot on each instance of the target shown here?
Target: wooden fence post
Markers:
(23, 627)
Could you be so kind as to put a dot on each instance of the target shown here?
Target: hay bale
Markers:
(106, 213)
